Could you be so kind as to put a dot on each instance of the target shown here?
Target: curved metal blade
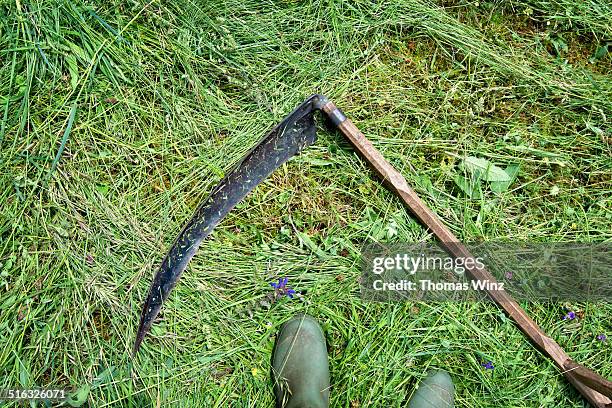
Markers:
(288, 138)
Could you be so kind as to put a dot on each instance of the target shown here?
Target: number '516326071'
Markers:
(32, 394)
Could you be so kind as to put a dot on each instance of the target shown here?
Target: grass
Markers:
(118, 119)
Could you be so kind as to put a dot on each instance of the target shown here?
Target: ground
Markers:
(118, 118)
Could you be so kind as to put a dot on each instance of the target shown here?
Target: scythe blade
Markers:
(288, 138)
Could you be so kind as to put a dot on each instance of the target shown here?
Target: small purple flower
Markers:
(281, 289)
(508, 275)
(569, 316)
(281, 283)
(602, 337)
(488, 365)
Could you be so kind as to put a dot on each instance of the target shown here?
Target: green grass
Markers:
(167, 96)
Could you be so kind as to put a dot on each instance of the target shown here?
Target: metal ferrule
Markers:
(336, 117)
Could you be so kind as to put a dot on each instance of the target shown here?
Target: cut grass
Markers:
(169, 96)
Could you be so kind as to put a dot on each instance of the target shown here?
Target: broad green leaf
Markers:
(469, 186)
(599, 53)
(24, 376)
(79, 397)
(102, 188)
(501, 186)
(560, 45)
(487, 170)
(78, 52)
(9, 263)
(8, 302)
(392, 229)
(74, 70)
(425, 182)
(105, 376)
(311, 245)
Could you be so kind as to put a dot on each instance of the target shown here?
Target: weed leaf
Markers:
(311, 245)
(599, 53)
(79, 397)
(470, 186)
(487, 170)
(501, 186)
(73, 68)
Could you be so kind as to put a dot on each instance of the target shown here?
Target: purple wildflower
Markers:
(508, 275)
(488, 365)
(569, 316)
(602, 337)
(281, 289)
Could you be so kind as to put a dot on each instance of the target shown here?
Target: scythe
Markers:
(288, 138)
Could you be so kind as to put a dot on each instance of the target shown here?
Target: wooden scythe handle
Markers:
(596, 389)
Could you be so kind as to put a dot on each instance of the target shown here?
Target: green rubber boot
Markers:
(435, 391)
(300, 368)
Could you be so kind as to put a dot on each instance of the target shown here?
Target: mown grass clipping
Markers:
(118, 117)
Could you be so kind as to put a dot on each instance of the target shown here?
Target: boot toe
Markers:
(300, 365)
(435, 391)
